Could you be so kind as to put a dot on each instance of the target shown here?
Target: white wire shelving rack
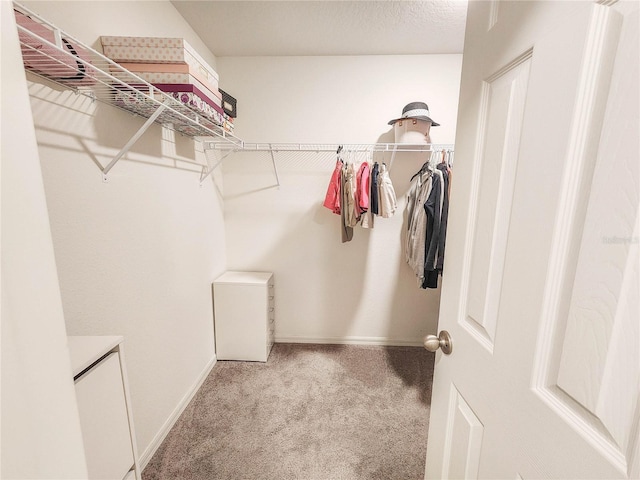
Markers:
(51, 53)
(272, 148)
(327, 147)
(54, 55)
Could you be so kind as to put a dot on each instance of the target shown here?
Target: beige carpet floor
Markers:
(312, 412)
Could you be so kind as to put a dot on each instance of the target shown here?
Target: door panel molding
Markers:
(463, 442)
(573, 352)
(503, 100)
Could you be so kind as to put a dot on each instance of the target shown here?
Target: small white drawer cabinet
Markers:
(105, 409)
(244, 310)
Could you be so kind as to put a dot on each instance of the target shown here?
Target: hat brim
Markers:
(420, 117)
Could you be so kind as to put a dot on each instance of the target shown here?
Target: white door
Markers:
(540, 290)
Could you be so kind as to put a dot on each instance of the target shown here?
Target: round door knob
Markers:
(442, 341)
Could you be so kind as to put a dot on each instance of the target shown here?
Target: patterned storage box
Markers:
(192, 89)
(180, 79)
(155, 50)
(171, 69)
(137, 102)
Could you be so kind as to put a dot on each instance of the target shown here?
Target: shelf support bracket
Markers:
(204, 175)
(273, 160)
(133, 139)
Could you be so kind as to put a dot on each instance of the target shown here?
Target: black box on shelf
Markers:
(229, 104)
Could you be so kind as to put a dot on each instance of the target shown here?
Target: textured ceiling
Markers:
(385, 27)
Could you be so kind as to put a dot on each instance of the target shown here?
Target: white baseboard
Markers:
(168, 425)
(385, 341)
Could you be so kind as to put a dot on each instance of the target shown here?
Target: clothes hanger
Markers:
(450, 155)
(426, 166)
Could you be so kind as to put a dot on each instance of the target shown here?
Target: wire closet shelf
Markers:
(53, 54)
(393, 148)
(329, 147)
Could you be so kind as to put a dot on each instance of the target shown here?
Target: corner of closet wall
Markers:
(327, 291)
(136, 255)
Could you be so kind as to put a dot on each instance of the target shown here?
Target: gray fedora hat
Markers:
(417, 110)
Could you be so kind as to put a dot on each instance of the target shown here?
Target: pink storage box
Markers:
(180, 79)
(156, 50)
(167, 69)
(189, 88)
(137, 102)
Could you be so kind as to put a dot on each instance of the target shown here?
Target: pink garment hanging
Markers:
(362, 190)
(332, 198)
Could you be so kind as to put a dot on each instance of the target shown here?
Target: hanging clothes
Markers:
(350, 185)
(362, 188)
(386, 194)
(415, 244)
(357, 192)
(366, 186)
(374, 189)
(446, 172)
(345, 229)
(427, 213)
(433, 210)
(332, 198)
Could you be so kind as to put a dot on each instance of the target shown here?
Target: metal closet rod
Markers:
(325, 147)
(393, 148)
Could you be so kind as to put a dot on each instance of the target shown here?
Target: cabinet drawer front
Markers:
(241, 316)
(104, 420)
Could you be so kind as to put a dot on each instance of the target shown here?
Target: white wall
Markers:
(41, 435)
(137, 255)
(325, 290)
